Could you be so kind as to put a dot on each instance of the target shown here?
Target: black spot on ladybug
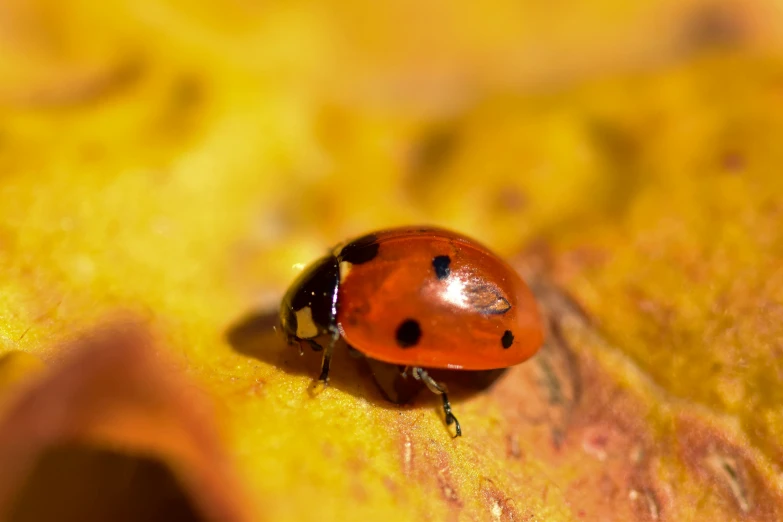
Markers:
(360, 251)
(507, 339)
(408, 333)
(441, 266)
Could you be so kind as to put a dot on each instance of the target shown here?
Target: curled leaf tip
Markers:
(112, 416)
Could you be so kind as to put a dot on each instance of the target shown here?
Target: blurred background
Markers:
(177, 160)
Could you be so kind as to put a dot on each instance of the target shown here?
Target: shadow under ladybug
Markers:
(257, 335)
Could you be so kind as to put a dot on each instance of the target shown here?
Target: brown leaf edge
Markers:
(112, 402)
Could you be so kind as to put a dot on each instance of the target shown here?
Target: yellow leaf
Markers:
(178, 162)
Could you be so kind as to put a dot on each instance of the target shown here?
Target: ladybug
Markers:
(419, 298)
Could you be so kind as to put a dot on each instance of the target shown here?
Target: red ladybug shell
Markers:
(434, 299)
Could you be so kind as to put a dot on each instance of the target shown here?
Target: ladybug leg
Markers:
(439, 389)
(314, 345)
(450, 418)
(327, 357)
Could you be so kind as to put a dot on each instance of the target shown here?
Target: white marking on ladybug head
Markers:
(345, 268)
(305, 326)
